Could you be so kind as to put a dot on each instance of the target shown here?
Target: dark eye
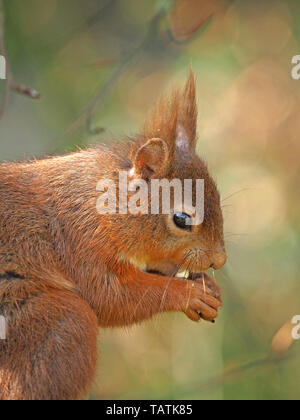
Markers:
(183, 221)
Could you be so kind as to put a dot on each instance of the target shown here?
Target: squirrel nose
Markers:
(219, 259)
(214, 260)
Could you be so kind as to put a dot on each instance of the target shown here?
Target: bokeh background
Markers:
(99, 66)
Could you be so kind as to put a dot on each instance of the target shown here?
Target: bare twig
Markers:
(236, 372)
(87, 114)
(228, 375)
(24, 90)
(128, 61)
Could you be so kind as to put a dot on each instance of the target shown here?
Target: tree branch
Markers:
(124, 64)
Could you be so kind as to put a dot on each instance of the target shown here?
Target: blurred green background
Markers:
(99, 66)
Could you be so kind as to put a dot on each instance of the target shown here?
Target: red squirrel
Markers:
(66, 269)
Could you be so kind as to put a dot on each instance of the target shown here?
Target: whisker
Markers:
(204, 285)
(140, 301)
(180, 266)
(230, 241)
(163, 298)
(235, 193)
(235, 234)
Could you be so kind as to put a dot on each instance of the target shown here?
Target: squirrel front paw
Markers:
(208, 284)
(202, 298)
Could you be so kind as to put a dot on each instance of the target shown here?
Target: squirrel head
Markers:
(166, 149)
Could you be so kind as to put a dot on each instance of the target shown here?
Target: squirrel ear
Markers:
(151, 158)
(187, 119)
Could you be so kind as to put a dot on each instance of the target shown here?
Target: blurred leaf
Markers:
(188, 16)
(283, 340)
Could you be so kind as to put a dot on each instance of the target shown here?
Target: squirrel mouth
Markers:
(209, 283)
(171, 270)
(175, 273)
(167, 269)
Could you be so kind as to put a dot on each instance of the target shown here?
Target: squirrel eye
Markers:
(183, 221)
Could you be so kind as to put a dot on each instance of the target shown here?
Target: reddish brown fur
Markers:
(65, 269)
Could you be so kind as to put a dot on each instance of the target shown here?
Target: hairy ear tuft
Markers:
(187, 117)
(162, 123)
(175, 120)
(151, 158)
